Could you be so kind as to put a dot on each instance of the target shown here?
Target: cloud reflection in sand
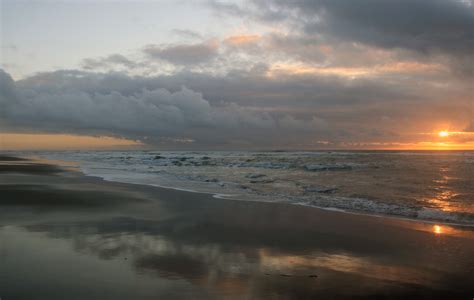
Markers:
(216, 265)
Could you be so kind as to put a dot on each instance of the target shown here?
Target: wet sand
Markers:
(67, 236)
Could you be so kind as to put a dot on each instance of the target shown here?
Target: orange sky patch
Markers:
(26, 141)
(409, 67)
(242, 39)
(411, 146)
(397, 67)
(439, 146)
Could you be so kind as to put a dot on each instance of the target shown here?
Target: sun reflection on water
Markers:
(437, 229)
(444, 195)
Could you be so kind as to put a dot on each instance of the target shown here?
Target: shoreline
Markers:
(72, 166)
(179, 244)
(230, 197)
(75, 167)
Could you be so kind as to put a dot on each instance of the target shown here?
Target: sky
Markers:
(255, 74)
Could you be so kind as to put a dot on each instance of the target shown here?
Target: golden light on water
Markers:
(437, 229)
(443, 133)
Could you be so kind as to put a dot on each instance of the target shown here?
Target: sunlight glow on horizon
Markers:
(43, 141)
(441, 141)
(443, 133)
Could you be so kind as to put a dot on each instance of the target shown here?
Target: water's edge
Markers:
(276, 170)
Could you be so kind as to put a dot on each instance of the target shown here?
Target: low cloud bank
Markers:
(143, 114)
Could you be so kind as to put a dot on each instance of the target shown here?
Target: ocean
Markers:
(435, 186)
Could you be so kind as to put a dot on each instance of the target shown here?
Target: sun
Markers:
(443, 133)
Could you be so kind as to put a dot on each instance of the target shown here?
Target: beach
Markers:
(67, 235)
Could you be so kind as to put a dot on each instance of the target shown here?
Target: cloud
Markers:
(291, 72)
(470, 127)
(420, 25)
(226, 8)
(191, 54)
(251, 108)
(8, 96)
(238, 40)
(440, 29)
(156, 113)
(186, 33)
(108, 62)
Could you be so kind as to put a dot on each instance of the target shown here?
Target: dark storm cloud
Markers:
(8, 96)
(81, 102)
(244, 107)
(183, 54)
(425, 27)
(246, 88)
(421, 25)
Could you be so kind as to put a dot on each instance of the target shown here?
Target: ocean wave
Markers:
(366, 206)
(323, 179)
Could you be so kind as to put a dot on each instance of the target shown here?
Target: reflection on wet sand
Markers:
(347, 263)
(437, 229)
(154, 249)
(174, 259)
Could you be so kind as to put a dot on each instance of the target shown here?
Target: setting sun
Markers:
(443, 133)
